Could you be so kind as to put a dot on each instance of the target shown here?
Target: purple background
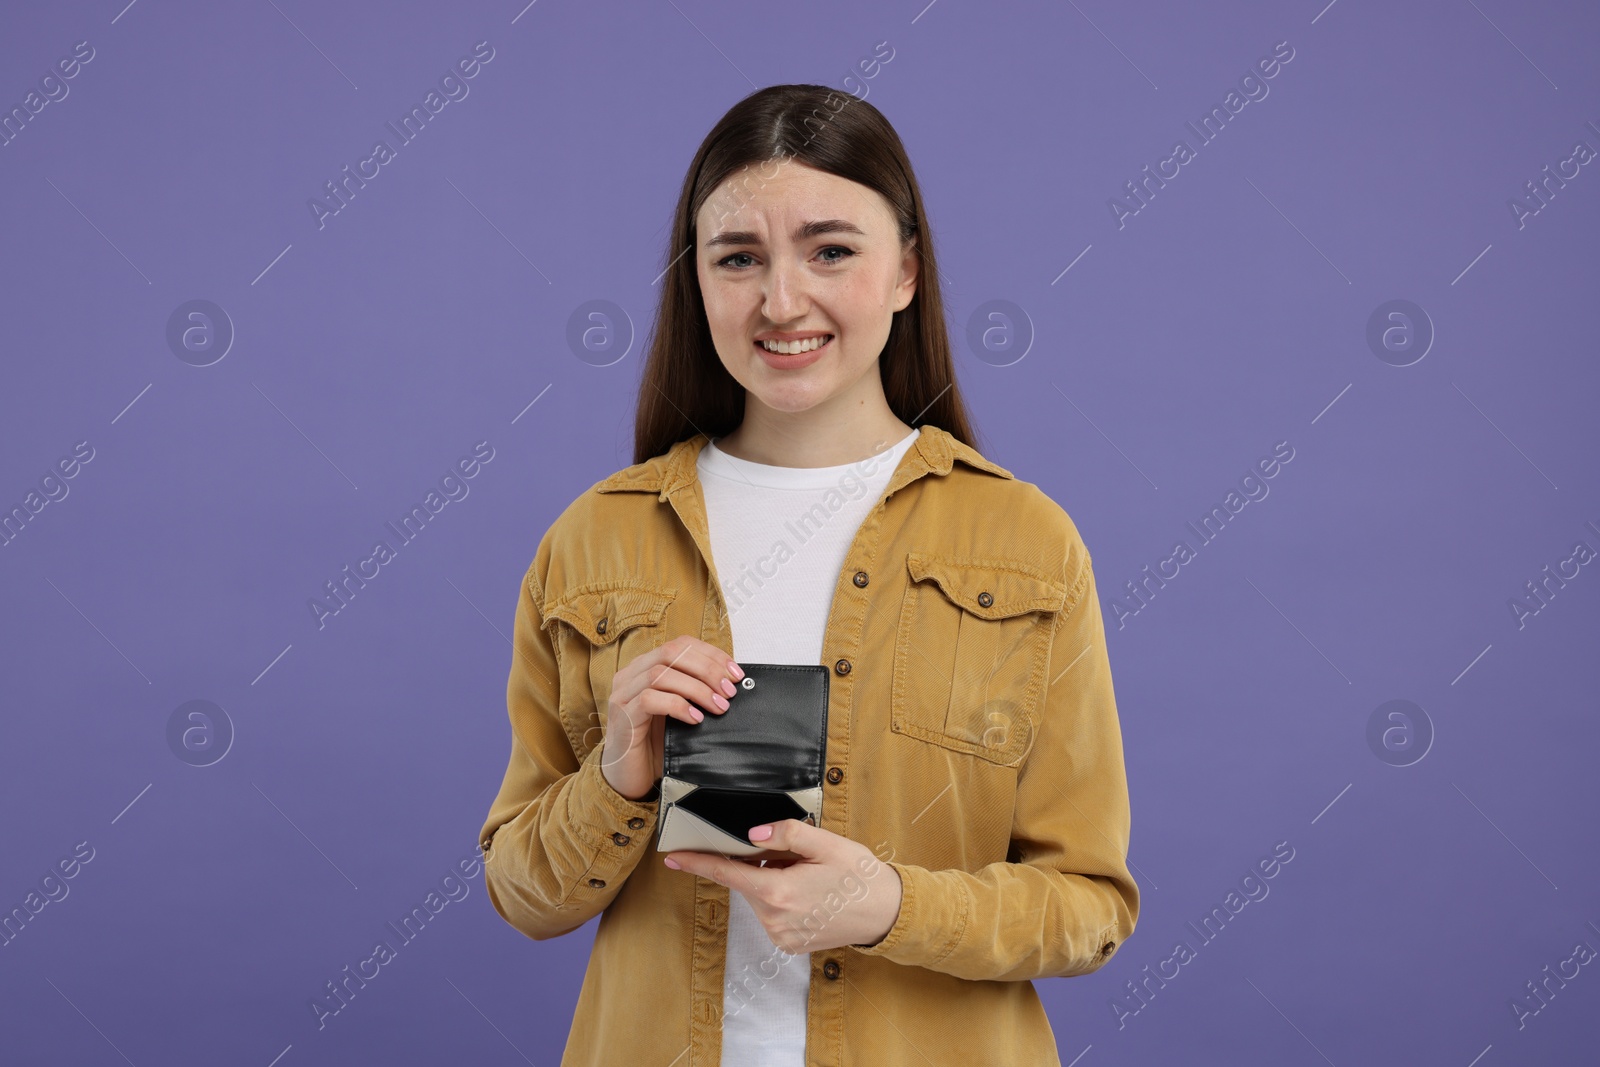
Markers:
(1229, 314)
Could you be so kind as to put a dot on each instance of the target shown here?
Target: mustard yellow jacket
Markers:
(972, 744)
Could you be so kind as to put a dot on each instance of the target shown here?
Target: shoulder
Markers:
(1031, 524)
(602, 536)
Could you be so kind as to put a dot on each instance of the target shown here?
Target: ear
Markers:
(910, 275)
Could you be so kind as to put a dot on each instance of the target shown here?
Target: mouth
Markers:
(790, 355)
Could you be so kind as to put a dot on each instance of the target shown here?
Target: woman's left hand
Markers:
(826, 891)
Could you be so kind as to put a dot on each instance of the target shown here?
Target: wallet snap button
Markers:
(830, 969)
(835, 775)
(597, 883)
(748, 683)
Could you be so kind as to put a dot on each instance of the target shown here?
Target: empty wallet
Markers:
(757, 762)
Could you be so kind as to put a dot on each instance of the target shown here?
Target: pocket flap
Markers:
(604, 611)
(989, 588)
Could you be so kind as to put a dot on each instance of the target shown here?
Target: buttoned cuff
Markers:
(932, 920)
(621, 828)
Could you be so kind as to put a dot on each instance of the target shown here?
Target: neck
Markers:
(813, 438)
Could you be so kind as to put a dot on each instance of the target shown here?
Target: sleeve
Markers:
(1069, 900)
(559, 841)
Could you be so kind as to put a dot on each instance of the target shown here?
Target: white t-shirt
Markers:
(779, 537)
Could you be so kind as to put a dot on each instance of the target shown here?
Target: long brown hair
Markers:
(685, 389)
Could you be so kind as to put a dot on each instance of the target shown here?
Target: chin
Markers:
(790, 400)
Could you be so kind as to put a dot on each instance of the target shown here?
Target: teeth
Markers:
(789, 348)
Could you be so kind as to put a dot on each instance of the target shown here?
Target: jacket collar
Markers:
(935, 451)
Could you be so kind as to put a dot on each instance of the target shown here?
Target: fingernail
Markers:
(760, 833)
(721, 701)
(670, 862)
(729, 688)
(735, 670)
(696, 714)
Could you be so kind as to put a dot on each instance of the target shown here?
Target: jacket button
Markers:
(830, 969)
(600, 627)
(842, 667)
(597, 883)
(621, 838)
(1105, 949)
(860, 579)
(835, 775)
(985, 600)
(635, 822)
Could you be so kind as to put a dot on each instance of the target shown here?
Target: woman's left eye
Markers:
(837, 248)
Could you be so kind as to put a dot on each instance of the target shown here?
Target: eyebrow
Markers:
(809, 229)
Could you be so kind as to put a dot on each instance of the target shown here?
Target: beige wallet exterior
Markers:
(682, 829)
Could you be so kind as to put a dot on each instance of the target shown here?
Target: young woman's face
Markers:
(788, 252)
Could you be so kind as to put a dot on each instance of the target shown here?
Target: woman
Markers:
(806, 490)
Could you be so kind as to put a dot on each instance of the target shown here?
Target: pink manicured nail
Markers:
(696, 714)
(736, 670)
(721, 701)
(760, 833)
(729, 688)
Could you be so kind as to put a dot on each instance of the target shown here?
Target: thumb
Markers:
(792, 835)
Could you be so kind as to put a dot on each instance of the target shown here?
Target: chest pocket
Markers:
(971, 653)
(598, 629)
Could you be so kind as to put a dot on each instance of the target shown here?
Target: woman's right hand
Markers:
(652, 686)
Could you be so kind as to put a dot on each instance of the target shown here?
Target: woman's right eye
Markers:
(724, 261)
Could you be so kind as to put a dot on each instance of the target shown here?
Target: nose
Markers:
(785, 296)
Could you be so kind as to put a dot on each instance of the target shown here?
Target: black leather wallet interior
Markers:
(757, 762)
